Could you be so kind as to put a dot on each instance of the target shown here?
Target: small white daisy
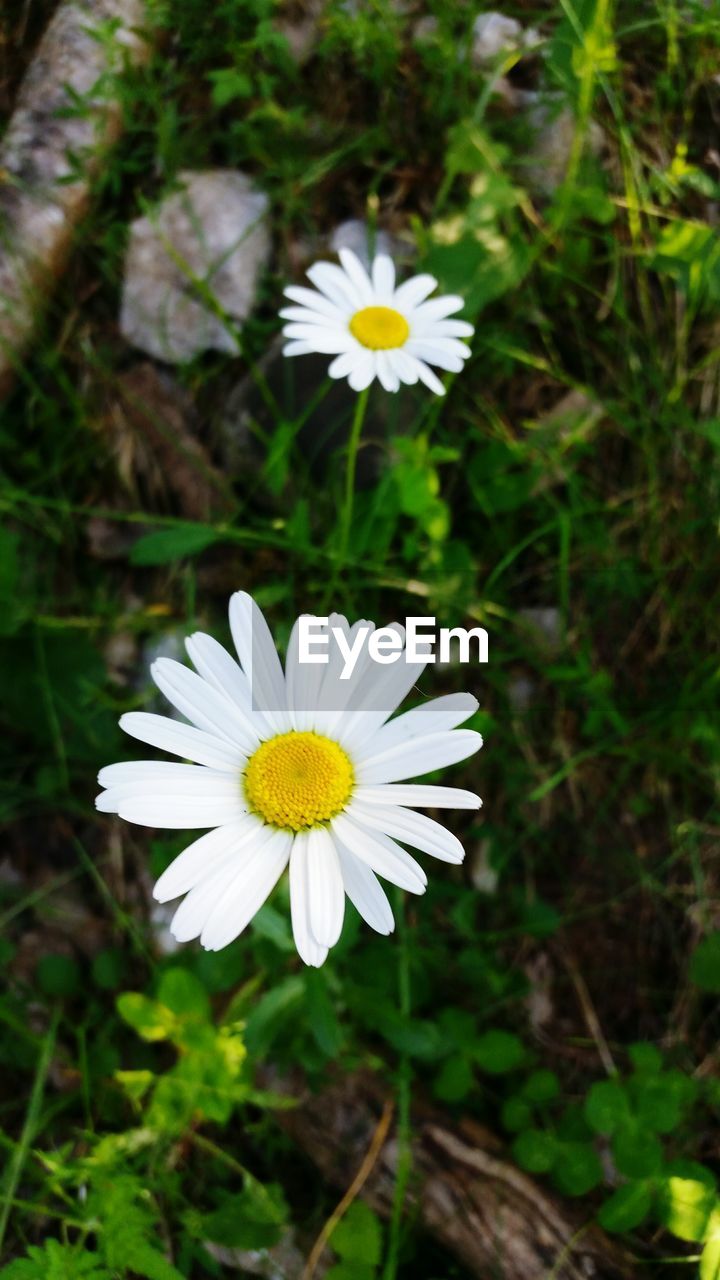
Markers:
(314, 780)
(374, 329)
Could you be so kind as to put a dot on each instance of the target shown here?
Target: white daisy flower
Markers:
(314, 780)
(374, 329)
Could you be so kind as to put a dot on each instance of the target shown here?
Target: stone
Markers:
(355, 234)
(52, 151)
(210, 236)
(495, 34)
(544, 622)
(300, 27)
(554, 131)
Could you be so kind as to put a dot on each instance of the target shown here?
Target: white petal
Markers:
(381, 854)
(213, 662)
(317, 302)
(335, 284)
(303, 681)
(326, 895)
(248, 890)
(298, 348)
(423, 755)
(441, 328)
(305, 315)
(419, 795)
(356, 272)
(412, 828)
(259, 660)
(167, 776)
(343, 364)
(380, 691)
(173, 813)
(383, 277)
(385, 372)
(439, 308)
(444, 346)
(308, 949)
(365, 892)
(204, 857)
(430, 379)
(326, 342)
(434, 716)
(363, 371)
(433, 353)
(203, 705)
(405, 366)
(337, 695)
(190, 917)
(412, 292)
(182, 740)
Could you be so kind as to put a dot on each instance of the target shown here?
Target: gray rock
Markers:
(522, 693)
(425, 30)
(483, 875)
(209, 238)
(545, 622)
(301, 30)
(495, 34)
(281, 1261)
(554, 132)
(355, 234)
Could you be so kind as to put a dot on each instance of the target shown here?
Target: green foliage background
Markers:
(563, 983)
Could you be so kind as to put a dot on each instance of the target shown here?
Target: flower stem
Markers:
(350, 466)
(404, 1163)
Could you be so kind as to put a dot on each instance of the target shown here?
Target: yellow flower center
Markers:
(298, 780)
(380, 328)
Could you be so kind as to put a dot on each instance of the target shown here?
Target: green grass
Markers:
(573, 467)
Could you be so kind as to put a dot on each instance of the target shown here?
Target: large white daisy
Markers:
(314, 779)
(374, 329)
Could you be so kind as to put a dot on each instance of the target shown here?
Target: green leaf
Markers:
(107, 969)
(151, 1020)
(689, 253)
(541, 1087)
(606, 1107)
(710, 1261)
(270, 923)
(183, 993)
(661, 1100)
(168, 545)
(577, 1168)
(498, 1052)
(705, 963)
(418, 1038)
(229, 84)
(269, 1018)
(516, 1115)
(455, 1079)
(14, 603)
(645, 1057)
(685, 1206)
(536, 1150)
(129, 1221)
(55, 1261)
(251, 1220)
(323, 1019)
(358, 1235)
(627, 1207)
(58, 975)
(351, 1270)
(135, 1083)
(637, 1153)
